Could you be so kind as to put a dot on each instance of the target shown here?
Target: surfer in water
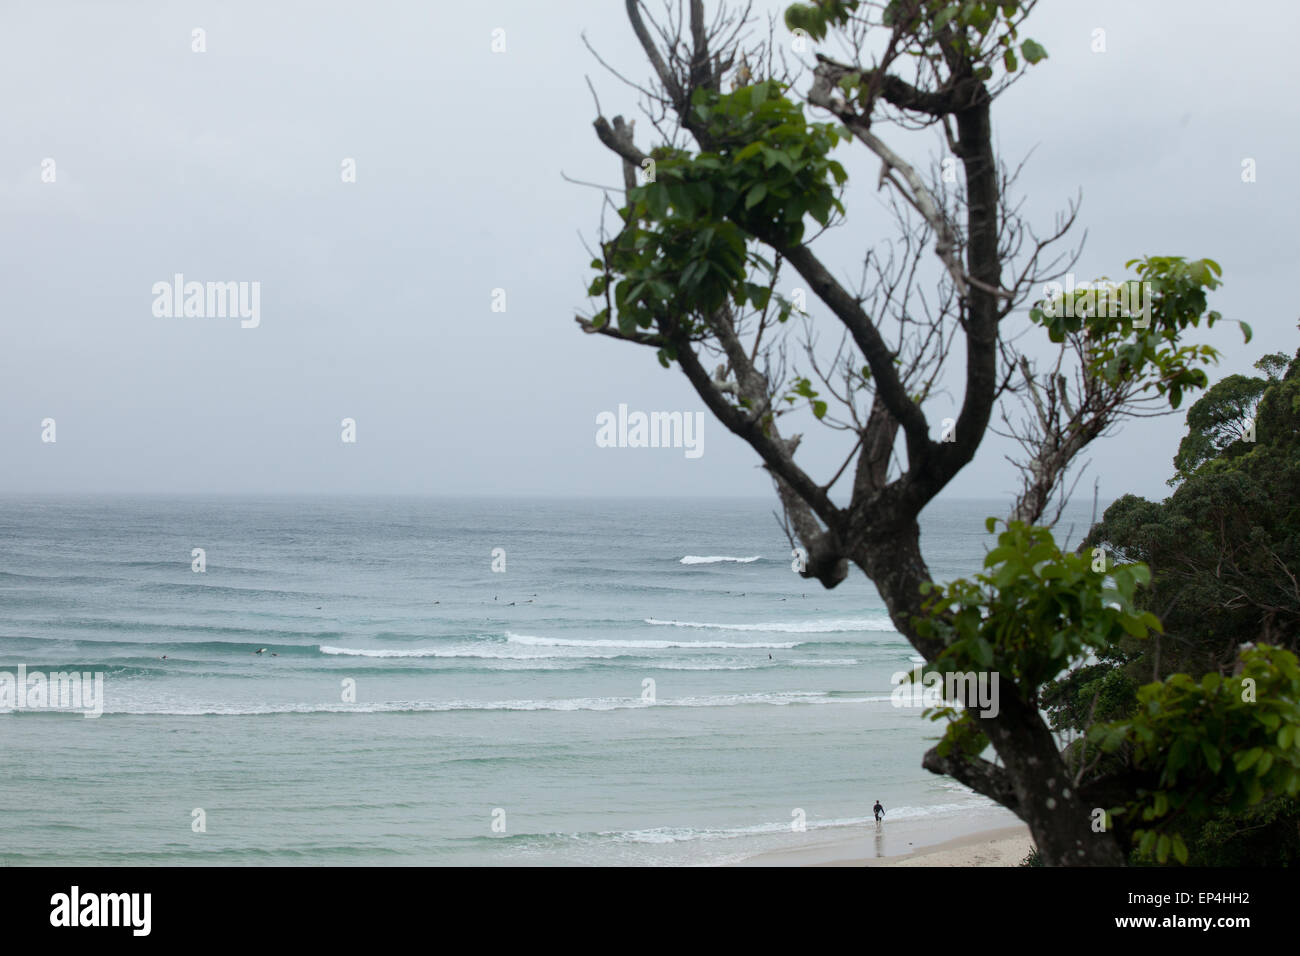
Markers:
(878, 810)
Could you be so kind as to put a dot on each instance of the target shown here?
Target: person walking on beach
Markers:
(878, 810)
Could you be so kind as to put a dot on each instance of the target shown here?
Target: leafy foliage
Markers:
(1133, 327)
(802, 388)
(1104, 690)
(819, 16)
(1034, 611)
(976, 28)
(1213, 744)
(1266, 833)
(684, 251)
(1224, 416)
(1221, 549)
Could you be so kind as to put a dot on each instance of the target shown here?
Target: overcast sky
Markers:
(376, 296)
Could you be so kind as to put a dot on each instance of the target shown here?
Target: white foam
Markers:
(780, 698)
(575, 656)
(533, 641)
(797, 662)
(487, 652)
(790, 627)
(718, 559)
(665, 835)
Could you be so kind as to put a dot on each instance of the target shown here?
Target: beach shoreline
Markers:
(997, 842)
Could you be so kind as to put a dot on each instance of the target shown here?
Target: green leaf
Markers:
(1162, 848)
(656, 200)
(1212, 756)
(1180, 849)
(1132, 626)
(1245, 760)
(1148, 842)
(1033, 51)
(999, 554)
(755, 195)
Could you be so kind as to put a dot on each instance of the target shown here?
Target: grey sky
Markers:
(376, 295)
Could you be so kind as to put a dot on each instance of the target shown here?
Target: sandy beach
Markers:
(1003, 841)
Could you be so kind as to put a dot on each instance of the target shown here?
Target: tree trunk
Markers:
(1041, 792)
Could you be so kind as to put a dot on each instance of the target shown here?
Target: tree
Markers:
(1224, 415)
(1221, 550)
(731, 188)
(1222, 547)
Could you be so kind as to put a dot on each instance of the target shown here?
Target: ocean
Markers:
(636, 682)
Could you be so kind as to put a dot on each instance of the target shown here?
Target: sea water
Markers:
(453, 681)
